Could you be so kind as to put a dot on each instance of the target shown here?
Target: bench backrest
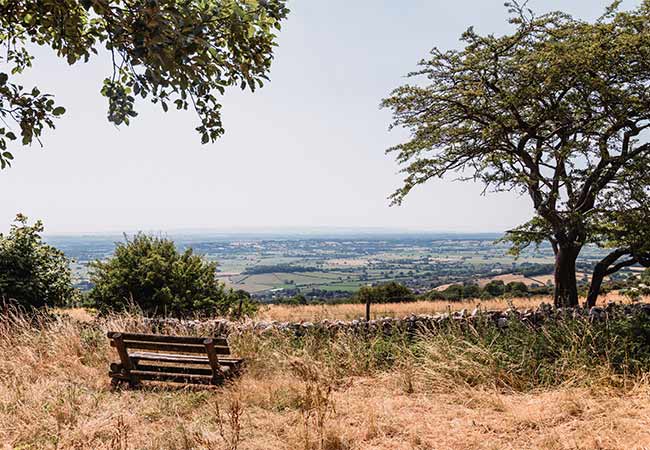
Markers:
(173, 344)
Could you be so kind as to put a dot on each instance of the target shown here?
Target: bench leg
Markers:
(126, 364)
(217, 374)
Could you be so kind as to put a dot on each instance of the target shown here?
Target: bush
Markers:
(296, 300)
(151, 273)
(495, 288)
(434, 294)
(471, 290)
(516, 289)
(453, 292)
(32, 273)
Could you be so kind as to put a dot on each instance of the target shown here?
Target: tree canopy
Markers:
(180, 53)
(555, 110)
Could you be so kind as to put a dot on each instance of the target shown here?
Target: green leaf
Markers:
(59, 110)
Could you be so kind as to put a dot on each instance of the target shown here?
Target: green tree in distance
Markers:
(183, 53)
(33, 273)
(391, 292)
(554, 110)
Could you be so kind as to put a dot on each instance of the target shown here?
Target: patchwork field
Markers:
(335, 266)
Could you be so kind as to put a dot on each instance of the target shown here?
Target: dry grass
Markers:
(54, 394)
(349, 311)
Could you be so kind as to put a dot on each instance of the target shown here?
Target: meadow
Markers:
(572, 385)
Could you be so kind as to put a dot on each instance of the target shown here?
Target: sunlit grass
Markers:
(456, 389)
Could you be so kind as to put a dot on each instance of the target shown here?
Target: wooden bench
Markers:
(180, 359)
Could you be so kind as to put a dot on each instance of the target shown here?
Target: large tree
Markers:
(179, 52)
(554, 110)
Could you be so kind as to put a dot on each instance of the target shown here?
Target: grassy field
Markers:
(452, 390)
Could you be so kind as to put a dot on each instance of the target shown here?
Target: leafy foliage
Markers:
(554, 110)
(151, 273)
(174, 52)
(391, 292)
(31, 272)
(495, 288)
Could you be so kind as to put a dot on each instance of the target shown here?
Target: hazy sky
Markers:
(307, 150)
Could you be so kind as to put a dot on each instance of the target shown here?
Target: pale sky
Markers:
(307, 150)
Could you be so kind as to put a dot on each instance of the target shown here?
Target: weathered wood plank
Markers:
(172, 358)
(174, 369)
(183, 359)
(165, 347)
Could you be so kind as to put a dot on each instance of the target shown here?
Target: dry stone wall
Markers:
(409, 324)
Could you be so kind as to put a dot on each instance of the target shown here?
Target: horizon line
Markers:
(277, 230)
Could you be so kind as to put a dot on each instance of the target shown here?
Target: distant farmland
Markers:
(337, 265)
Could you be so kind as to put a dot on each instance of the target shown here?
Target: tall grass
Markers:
(324, 391)
(520, 358)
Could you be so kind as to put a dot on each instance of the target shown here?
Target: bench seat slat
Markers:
(174, 369)
(183, 359)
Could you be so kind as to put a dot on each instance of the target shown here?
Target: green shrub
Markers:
(453, 292)
(471, 290)
(495, 288)
(152, 274)
(517, 289)
(33, 273)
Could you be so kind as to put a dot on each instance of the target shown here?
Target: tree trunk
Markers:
(606, 267)
(368, 309)
(596, 282)
(566, 286)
